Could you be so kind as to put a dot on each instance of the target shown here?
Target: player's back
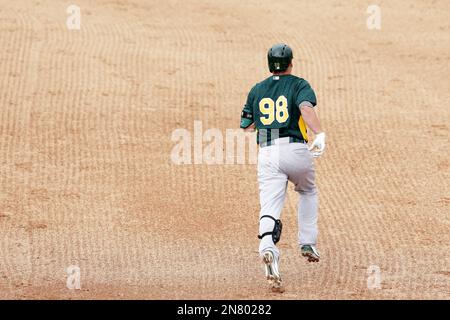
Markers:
(276, 103)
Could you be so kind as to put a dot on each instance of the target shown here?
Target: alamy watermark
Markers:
(373, 277)
(73, 21)
(73, 281)
(373, 21)
(216, 147)
(213, 146)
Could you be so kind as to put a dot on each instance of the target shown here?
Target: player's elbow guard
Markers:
(246, 119)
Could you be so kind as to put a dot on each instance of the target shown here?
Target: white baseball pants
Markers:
(278, 164)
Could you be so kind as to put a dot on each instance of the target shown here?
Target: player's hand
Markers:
(318, 144)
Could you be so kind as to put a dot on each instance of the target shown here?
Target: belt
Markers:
(279, 141)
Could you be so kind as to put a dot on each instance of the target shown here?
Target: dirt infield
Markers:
(85, 148)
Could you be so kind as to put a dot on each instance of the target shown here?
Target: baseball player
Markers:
(281, 108)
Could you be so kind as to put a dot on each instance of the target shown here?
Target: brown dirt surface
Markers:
(85, 142)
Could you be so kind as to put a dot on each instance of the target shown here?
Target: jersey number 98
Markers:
(274, 110)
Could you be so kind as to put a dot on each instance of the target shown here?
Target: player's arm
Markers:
(250, 128)
(306, 100)
(312, 121)
(247, 121)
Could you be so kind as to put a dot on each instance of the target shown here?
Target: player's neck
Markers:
(285, 73)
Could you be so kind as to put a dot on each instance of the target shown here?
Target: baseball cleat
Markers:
(277, 286)
(272, 271)
(310, 252)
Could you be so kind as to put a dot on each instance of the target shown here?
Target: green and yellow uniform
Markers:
(274, 106)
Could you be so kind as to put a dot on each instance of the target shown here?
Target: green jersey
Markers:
(274, 106)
